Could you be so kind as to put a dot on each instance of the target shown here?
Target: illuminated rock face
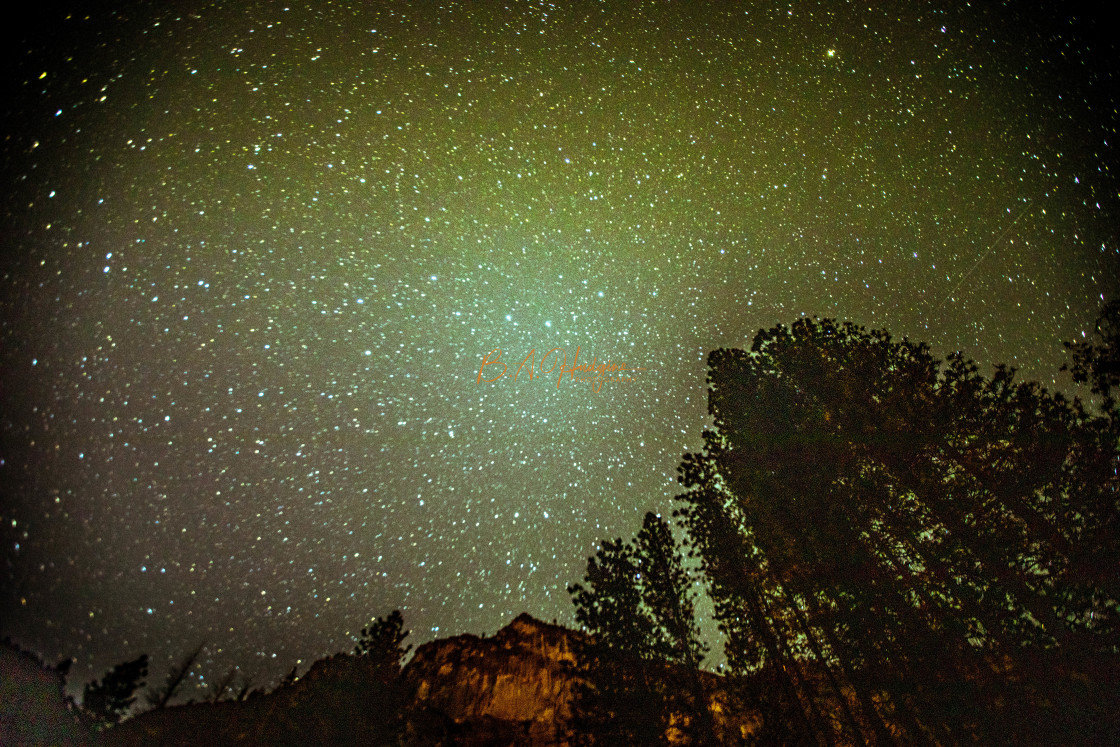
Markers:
(518, 688)
(518, 682)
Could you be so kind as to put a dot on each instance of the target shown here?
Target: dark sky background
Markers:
(254, 254)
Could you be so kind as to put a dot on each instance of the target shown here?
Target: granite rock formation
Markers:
(520, 683)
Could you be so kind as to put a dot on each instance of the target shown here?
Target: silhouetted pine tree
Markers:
(382, 645)
(1098, 363)
(901, 545)
(620, 701)
(107, 701)
(638, 600)
(667, 592)
(609, 601)
(669, 595)
(159, 697)
(382, 642)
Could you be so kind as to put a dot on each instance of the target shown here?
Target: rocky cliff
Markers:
(520, 683)
(525, 685)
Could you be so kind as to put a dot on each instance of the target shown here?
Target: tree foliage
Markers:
(669, 594)
(638, 597)
(1098, 363)
(108, 700)
(901, 543)
(177, 675)
(381, 645)
(382, 642)
(609, 601)
(638, 601)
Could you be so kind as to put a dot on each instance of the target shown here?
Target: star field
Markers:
(256, 254)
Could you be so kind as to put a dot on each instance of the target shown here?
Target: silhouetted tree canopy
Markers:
(382, 642)
(638, 600)
(1098, 363)
(904, 543)
(609, 601)
(109, 699)
(159, 697)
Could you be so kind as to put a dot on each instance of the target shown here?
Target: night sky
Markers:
(254, 256)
